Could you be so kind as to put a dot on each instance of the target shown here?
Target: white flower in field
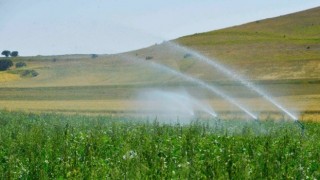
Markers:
(46, 161)
(130, 155)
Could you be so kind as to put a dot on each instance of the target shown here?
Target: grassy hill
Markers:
(284, 47)
(281, 54)
(290, 37)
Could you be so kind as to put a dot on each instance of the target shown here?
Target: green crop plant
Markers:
(42, 146)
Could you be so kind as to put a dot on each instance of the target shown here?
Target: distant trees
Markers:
(6, 53)
(9, 53)
(14, 54)
(5, 64)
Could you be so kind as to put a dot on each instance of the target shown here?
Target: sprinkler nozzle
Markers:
(300, 124)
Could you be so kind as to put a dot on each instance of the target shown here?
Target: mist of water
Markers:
(171, 106)
(232, 75)
(195, 81)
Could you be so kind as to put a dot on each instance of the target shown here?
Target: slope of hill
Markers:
(281, 54)
(285, 47)
(290, 37)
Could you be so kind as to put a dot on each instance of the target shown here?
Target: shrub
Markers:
(5, 64)
(93, 56)
(149, 57)
(20, 64)
(29, 73)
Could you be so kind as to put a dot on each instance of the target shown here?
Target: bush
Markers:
(20, 64)
(93, 56)
(5, 64)
(149, 57)
(29, 73)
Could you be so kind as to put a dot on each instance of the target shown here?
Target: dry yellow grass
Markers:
(8, 77)
(307, 109)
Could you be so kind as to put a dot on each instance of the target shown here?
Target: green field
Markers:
(79, 117)
(41, 146)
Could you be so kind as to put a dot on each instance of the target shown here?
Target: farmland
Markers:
(280, 55)
(76, 146)
(78, 116)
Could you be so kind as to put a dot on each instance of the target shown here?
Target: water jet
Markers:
(232, 75)
(195, 81)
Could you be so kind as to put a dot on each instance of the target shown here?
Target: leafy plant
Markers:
(5, 64)
(42, 146)
(20, 64)
(29, 73)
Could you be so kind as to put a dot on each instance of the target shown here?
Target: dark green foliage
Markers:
(5, 64)
(6, 53)
(29, 73)
(42, 146)
(93, 56)
(14, 54)
(149, 57)
(20, 64)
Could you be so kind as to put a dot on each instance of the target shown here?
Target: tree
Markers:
(5, 64)
(14, 54)
(20, 64)
(6, 53)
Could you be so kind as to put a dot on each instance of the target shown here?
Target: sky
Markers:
(54, 27)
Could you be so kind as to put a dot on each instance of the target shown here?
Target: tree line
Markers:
(8, 53)
(7, 63)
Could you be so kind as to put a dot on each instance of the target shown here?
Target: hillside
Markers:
(281, 54)
(285, 47)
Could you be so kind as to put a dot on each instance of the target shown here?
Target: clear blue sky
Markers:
(48, 27)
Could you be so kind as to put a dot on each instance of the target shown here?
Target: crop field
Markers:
(41, 146)
(91, 116)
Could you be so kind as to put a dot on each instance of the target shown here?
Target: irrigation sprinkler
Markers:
(301, 126)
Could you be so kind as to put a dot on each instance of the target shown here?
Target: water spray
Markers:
(233, 75)
(195, 81)
(185, 99)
